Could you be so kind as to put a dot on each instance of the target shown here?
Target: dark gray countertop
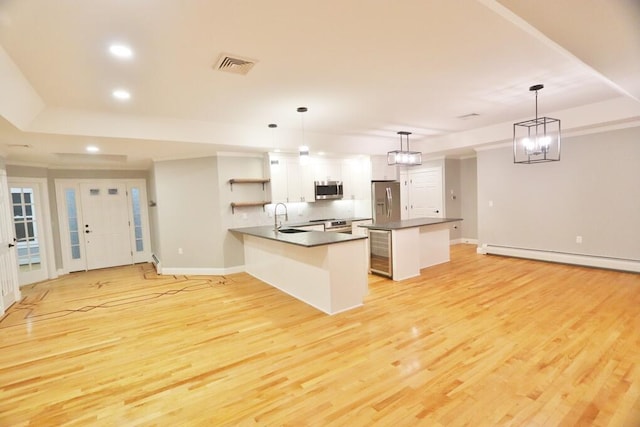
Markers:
(410, 223)
(308, 239)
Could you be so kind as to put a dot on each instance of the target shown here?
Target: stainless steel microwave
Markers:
(326, 190)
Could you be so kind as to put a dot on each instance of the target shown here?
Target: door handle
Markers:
(87, 231)
(11, 245)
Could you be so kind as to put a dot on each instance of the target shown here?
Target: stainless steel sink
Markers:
(292, 230)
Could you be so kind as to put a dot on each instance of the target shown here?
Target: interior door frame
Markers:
(61, 184)
(427, 168)
(46, 229)
(8, 259)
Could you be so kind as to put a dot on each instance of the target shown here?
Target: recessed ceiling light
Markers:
(92, 149)
(277, 150)
(121, 51)
(121, 94)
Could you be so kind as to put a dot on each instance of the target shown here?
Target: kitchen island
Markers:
(413, 244)
(325, 270)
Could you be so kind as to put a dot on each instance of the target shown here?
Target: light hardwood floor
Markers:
(479, 341)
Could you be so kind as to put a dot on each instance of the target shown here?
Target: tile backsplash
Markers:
(298, 212)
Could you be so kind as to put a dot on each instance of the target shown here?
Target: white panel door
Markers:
(9, 289)
(105, 227)
(426, 193)
(105, 224)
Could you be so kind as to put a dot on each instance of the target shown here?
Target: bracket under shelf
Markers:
(262, 181)
(235, 205)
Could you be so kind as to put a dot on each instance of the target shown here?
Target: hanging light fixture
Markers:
(404, 157)
(273, 126)
(536, 140)
(303, 149)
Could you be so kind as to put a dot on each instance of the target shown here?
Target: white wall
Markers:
(460, 178)
(452, 186)
(469, 198)
(187, 213)
(593, 192)
(239, 167)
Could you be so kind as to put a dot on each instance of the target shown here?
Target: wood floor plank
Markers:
(481, 340)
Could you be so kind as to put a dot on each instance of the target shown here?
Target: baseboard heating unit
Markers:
(563, 257)
(156, 263)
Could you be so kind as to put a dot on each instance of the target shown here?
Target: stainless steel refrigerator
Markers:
(385, 197)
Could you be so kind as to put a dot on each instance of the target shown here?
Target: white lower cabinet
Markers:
(356, 230)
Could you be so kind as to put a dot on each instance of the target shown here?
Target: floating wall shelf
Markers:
(248, 181)
(235, 205)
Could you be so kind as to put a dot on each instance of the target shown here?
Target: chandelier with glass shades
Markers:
(536, 140)
(404, 157)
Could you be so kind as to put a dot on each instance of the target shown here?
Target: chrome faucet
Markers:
(275, 216)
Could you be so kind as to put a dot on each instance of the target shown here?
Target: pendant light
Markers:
(303, 150)
(404, 157)
(273, 126)
(536, 140)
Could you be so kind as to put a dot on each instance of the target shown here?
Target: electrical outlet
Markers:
(579, 239)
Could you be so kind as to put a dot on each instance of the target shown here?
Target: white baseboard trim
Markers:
(563, 257)
(179, 271)
(463, 240)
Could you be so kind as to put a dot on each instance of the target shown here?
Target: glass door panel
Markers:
(25, 221)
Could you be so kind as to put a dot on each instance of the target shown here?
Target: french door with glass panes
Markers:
(103, 223)
(32, 230)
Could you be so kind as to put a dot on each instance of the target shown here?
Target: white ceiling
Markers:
(364, 68)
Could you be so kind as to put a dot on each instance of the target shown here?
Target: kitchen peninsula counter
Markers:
(325, 270)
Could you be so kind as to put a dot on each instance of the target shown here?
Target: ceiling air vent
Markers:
(234, 64)
(468, 116)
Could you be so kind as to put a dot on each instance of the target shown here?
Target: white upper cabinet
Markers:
(290, 181)
(327, 169)
(356, 178)
(381, 171)
(278, 183)
(299, 181)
